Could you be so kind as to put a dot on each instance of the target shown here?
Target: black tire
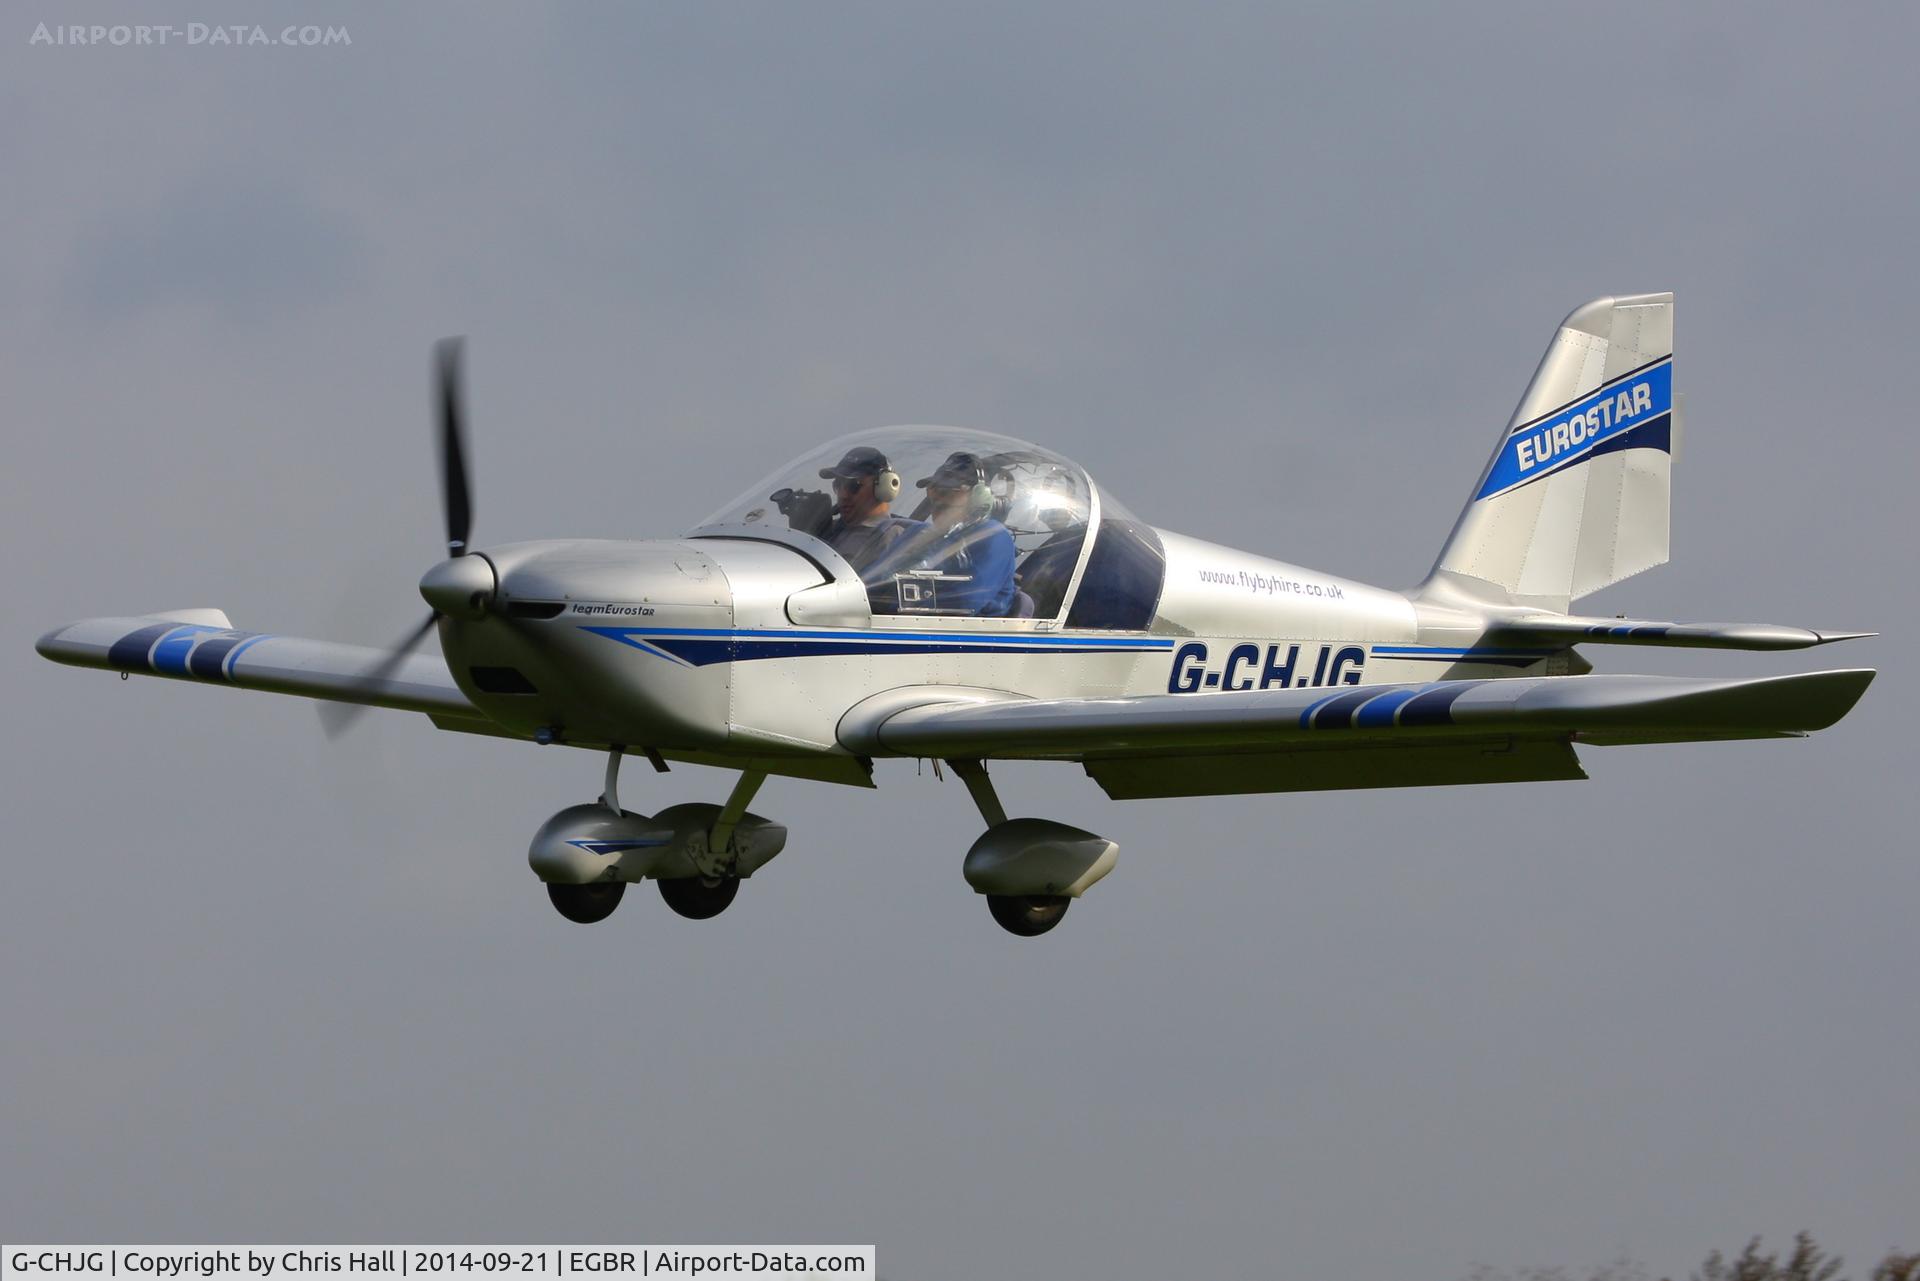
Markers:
(585, 904)
(699, 899)
(1027, 915)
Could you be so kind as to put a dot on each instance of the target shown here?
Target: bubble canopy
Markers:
(951, 521)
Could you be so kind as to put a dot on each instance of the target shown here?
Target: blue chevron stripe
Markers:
(700, 646)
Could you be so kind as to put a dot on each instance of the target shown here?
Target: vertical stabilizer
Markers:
(1577, 494)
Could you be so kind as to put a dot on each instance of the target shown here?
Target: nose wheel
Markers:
(697, 854)
(585, 904)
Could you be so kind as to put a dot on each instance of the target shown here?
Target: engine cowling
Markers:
(583, 844)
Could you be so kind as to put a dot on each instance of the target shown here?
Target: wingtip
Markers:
(1829, 637)
(1837, 692)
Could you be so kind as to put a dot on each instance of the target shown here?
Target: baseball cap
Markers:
(861, 460)
(960, 471)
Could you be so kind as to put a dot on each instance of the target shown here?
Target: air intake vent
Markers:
(534, 608)
(501, 680)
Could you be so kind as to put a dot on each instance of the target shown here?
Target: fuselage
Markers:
(731, 648)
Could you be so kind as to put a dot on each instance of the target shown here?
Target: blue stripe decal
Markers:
(209, 658)
(241, 648)
(1657, 434)
(182, 649)
(615, 847)
(1337, 712)
(700, 646)
(1306, 717)
(1631, 412)
(1378, 714)
(170, 655)
(1434, 706)
(694, 653)
(1625, 629)
(130, 651)
(656, 651)
(206, 658)
(1101, 642)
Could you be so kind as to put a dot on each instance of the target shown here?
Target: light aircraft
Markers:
(1019, 612)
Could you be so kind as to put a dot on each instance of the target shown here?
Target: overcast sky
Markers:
(1276, 277)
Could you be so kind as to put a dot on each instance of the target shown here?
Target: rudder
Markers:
(1578, 492)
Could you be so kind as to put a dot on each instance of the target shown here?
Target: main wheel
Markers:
(1027, 914)
(696, 897)
(585, 904)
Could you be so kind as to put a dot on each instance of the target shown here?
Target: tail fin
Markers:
(1576, 496)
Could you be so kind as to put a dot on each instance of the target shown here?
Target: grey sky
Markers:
(1277, 278)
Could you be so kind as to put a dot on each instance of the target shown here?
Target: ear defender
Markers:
(979, 499)
(886, 485)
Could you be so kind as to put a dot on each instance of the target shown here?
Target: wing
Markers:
(1468, 731)
(201, 645)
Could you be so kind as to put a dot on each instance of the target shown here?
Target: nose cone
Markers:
(459, 588)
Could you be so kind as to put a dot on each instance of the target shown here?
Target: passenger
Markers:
(963, 540)
(864, 527)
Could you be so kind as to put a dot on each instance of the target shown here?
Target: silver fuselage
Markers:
(734, 649)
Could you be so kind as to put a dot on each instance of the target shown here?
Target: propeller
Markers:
(337, 718)
(457, 501)
(454, 490)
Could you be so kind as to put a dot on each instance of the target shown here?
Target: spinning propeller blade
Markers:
(454, 489)
(337, 718)
(457, 498)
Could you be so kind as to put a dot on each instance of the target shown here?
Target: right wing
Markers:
(1504, 730)
(201, 645)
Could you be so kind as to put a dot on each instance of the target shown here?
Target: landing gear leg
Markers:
(719, 852)
(980, 787)
(1027, 915)
(610, 796)
(709, 893)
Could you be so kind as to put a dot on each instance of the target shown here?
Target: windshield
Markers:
(936, 520)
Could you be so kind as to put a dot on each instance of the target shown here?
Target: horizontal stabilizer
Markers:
(200, 645)
(1561, 629)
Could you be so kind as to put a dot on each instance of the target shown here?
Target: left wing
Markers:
(1502, 730)
(202, 645)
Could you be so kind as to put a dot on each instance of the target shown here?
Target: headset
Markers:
(886, 484)
(979, 502)
(980, 497)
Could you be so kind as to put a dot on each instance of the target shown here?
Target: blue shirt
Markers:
(982, 551)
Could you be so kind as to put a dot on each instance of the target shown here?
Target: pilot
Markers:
(864, 527)
(962, 539)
